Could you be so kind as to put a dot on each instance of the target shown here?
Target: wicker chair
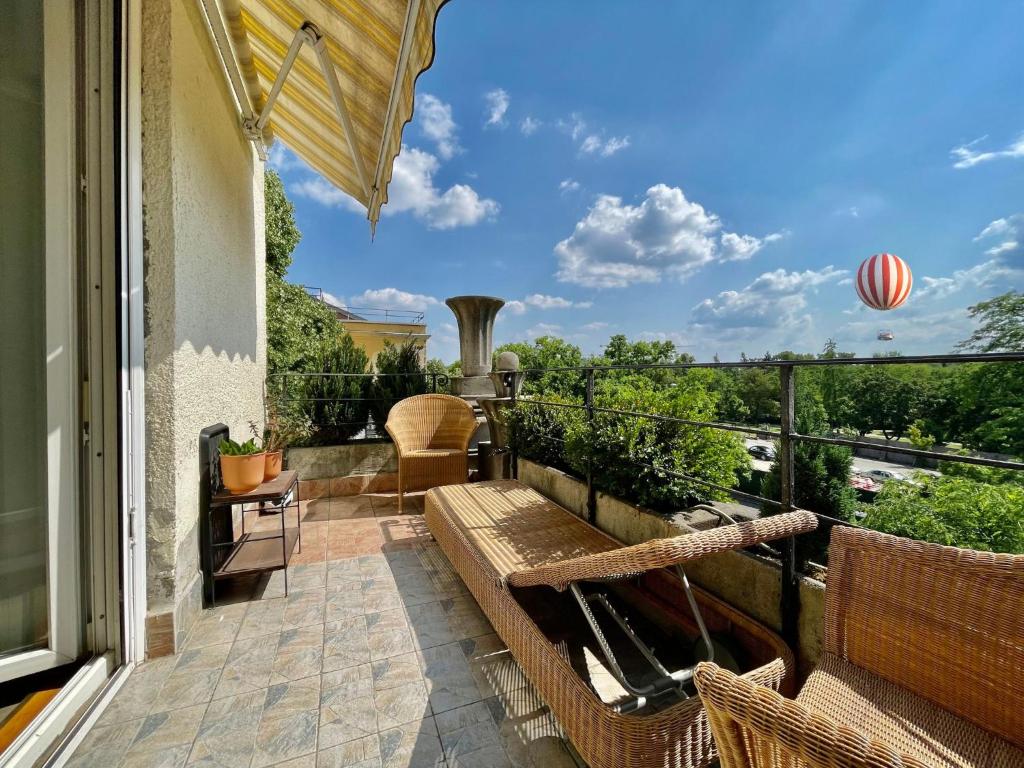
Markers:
(923, 665)
(431, 434)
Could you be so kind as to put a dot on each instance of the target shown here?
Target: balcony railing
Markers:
(368, 314)
(347, 408)
(786, 435)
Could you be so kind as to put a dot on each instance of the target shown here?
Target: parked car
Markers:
(881, 475)
(762, 452)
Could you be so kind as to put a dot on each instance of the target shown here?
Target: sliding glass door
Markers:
(41, 428)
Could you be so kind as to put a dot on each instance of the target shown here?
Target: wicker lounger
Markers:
(502, 534)
(923, 666)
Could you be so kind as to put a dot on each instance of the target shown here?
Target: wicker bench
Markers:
(923, 665)
(505, 539)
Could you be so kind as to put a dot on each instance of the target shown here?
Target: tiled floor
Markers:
(378, 656)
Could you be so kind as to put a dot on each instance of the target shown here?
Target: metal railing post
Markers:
(790, 593)
(589, 403)
(433, 383)
(510, 385)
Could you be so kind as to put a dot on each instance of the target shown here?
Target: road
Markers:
(860, 465)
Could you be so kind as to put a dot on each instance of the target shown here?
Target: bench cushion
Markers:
(904, 721)
(514, 528)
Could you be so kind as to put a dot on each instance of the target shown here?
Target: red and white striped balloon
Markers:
(884, 281)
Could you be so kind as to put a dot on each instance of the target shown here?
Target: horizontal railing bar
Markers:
(707, 483)
(978, 357)
(443, 376)
(531, 401)
(954, 457)
(690, 422)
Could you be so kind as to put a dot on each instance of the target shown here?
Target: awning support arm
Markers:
(215, 25)
(308, 33)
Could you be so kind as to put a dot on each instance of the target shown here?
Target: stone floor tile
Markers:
(193, 680)
(345, 644)
(470, 737)
(465, 617)
(227, 735)
(105, 745)
(340, 572)
(288, 727)
(215, 626)
(346, 706)
(316, 510)
(137, 696)
(492, 666)
(264, 617)
(306, 761)
(399, 693)
(374, 566)
(164, 739)
(360, 753)
(388, 634)
(428, 623)
(449, 682)
(351, 507)
(300, 653)
(305, 608)
(412, 745)
(248, 667)
(380, 594)
(528, 731)
(345, 600)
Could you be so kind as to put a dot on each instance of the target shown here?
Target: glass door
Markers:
(40, 428)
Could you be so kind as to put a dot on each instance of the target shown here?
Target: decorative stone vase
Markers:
(273, 466)
(240, 474)
(475, 315)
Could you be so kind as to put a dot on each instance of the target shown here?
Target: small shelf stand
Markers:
(223, 554)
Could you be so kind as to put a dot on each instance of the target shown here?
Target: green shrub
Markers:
(336, 406)
(951, 510)
(539, 431)
(399, 376)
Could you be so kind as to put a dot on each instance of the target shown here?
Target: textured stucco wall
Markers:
(204, 282)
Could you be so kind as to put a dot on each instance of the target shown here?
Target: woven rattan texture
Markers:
(431, 434)
(675, 737)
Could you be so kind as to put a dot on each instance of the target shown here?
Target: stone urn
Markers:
(475, 316)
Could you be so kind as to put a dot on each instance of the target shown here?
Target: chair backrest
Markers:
(431, 421)
(945, 623)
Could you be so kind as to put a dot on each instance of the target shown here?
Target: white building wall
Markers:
(205, 294)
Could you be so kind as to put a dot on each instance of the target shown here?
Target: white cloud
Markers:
(412, 189)
(1009, 234)
(542, 301)
(529, 125)
(966, 156)
(617, 244)
(674, 336)
(334, 301)
(282, 159)
(318, 189)
(497, 105)
(774, 300)
(543, 329)
(515, 306)
(597, 325)
(593, 144)
(393, 298)
(743, 247)
(435, 120)
(574, 125)
(568, 185)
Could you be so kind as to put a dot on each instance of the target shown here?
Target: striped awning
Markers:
(376, 50)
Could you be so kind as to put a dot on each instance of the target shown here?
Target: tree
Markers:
(440, 373)
(399, 375)
(1002, 324)
(883, 401)
(821, 472)
(297, 324)
(549, 352)
(281, 232)
(758, 388)
(952, 510)
(990, 407)
(336, 405)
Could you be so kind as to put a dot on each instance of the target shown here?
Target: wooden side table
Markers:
(253, 551)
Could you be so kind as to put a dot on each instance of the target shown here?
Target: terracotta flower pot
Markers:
(241, 474)
(273, 465)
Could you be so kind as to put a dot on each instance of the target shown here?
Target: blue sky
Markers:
(706, 173)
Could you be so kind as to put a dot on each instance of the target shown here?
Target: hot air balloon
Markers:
(884, 281)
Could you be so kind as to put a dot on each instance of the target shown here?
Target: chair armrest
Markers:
(755, 727)
(662, 553)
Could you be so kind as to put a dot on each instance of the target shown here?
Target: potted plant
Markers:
(282, 429)
(241, 465)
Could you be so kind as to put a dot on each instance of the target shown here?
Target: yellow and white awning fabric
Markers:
(333, 79)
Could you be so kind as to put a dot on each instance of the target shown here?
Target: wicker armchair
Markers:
(923, 665)
(431, 434)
